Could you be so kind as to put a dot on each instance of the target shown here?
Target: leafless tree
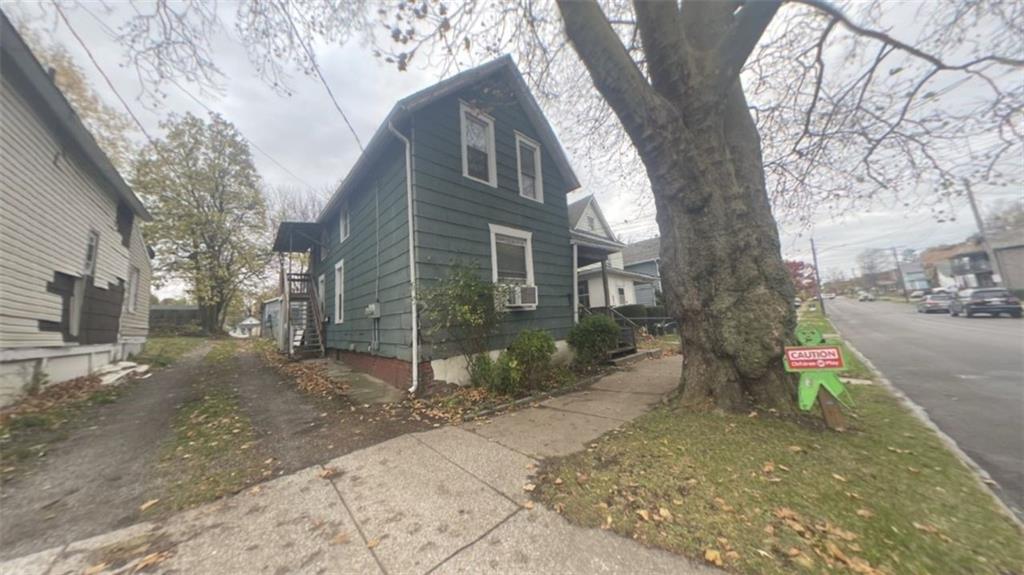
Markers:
(730, 106)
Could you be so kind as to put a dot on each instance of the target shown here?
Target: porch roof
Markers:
(296, 237)
(592, 249)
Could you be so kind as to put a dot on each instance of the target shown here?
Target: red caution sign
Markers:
(817, 358)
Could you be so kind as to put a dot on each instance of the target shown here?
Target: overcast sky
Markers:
(302, 141)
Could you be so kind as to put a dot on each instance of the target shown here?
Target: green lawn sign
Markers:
(817, 364)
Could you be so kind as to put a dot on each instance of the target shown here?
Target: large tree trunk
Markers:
(723, 274)
(722, 270)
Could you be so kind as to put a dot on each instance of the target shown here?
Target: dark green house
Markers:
(478, 167)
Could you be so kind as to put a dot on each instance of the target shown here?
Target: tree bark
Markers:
(722, 271)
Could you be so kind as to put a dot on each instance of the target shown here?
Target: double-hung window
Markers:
(528, 162)
(512, 264)
(478, 161)
(92, 248)
(344, 226)
(339, 292)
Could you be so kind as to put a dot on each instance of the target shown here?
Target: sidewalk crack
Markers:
(468, 472)
(355, 522)
(473, 542)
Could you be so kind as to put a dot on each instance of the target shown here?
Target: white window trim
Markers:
(344, 224)
(521, 234)
(133, 287)
(492, 163)
(339, 292)
(321, 288)
(539, 177)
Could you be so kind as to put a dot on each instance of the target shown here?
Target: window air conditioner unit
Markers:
(521, 296)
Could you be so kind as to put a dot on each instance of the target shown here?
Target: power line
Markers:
(110, 84)
(250, 142)
(316, 68)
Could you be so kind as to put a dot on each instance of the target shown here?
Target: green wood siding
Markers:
(387, 186)
(453, 212)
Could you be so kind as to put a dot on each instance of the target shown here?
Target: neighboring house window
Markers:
(591, 224)
(343, 225)
(478, 161)
(339, 292)
(92, 248)
(133, 288)
(622, 296)
(511, 256)
(528, 158)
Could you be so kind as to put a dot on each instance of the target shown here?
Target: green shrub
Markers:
(483, 371)
(592, 338)
(531, 350)
(509, 380)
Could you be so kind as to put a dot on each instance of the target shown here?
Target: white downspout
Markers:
(412, 258)
(575, 283)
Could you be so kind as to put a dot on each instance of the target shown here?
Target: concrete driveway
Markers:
(967, 373)
(450, 500)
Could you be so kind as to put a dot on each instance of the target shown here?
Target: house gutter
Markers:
(412, 257)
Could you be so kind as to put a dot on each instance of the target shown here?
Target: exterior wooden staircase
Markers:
(307, 321)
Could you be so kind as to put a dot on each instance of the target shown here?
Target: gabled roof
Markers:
(576, 211)
(17, 60)
(501, 66)
(642, 251)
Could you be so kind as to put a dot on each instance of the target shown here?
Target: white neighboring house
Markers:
(599, 255)
(74, 285)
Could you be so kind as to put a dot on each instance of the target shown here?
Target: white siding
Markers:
(136, 324)
(48, 205)
(596, 287)
(590, 222)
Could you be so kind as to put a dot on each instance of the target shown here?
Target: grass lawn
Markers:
(211, 453)
(163, 351)
(764, 494)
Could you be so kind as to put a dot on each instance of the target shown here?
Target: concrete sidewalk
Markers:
(449, 500)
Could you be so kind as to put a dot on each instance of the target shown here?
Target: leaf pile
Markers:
(310, 376)
(52, 397)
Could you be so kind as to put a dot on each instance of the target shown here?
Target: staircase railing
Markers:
(301, 287)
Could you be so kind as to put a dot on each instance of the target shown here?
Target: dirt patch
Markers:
(96, 479)
(299, 429)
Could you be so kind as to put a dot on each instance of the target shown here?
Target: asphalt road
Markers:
(967, 373)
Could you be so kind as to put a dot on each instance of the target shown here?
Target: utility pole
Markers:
(899, 274)
(817, 278)
(981, 232)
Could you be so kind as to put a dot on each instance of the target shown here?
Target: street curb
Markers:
(980, 475)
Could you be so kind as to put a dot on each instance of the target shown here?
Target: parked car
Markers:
(829, 295)
(865, 296)
(988, 301)
(916, 295)
(935, 302)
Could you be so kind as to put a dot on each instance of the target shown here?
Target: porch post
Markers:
(575, 284)
(604, 280)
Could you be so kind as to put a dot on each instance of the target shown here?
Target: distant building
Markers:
(914, 277)
(1008, 248)
(171, 317)
(645, 257)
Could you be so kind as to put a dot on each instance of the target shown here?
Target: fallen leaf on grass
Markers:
(768, 467)
(527, 504)
(558, 481)
(865, 513)
(713, 556)
(803, 561)
(148, 504)
(529, 487)
(645, 514)
(607, 522)
(341, 538)
(763, 553)
(795, 448)
(665, 514)
(838, 477)
(925, 527)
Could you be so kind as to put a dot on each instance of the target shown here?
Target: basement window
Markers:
(478, 161)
